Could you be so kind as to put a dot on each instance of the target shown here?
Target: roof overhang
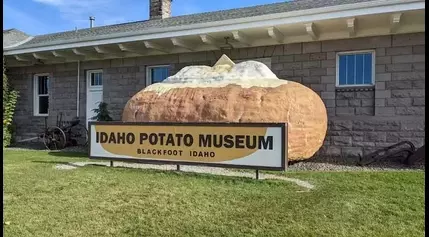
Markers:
(372, 18)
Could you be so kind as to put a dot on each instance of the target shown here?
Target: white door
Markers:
(94, 92)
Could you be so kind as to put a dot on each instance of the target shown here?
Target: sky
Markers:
(36, 17)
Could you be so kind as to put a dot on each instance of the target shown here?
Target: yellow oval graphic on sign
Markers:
(183, 143)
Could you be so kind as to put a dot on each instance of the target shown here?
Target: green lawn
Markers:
(101, 201)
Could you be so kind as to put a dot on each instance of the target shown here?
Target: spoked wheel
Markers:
(54, 138)
(78, 135)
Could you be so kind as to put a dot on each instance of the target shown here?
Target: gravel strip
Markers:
(300, 166)
(320, 166)
(65, 167)
(197, 169)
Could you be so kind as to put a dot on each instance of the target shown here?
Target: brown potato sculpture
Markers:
(245, 92)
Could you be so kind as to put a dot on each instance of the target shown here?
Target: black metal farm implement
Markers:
(64, 134)
(401, 152)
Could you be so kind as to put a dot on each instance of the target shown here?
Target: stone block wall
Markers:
(354, 102)
(26, 125)
(349, 138)
(62, 97)
(356, 115)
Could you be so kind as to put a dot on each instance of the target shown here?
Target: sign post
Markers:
(260, 146)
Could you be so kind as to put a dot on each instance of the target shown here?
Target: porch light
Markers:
(227, 47)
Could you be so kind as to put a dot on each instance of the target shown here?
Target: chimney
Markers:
(91, 21)
(160, 9)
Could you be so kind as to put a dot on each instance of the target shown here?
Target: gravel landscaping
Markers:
(309, 165)
(192, 169)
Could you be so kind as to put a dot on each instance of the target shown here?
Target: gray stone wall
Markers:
(350, 137)
(62, 97)
(354, 102)
(357, 116)
(26, 125)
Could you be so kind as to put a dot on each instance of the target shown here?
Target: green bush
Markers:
(7, 137)
(102, 113)
(10, 98)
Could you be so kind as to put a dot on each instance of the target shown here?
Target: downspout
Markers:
(77, 97)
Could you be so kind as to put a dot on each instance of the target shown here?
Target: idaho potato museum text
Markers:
(177, 140)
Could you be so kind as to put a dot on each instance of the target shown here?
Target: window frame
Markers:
(88, 76)
(36, 95)
(148, 73)
(337, 69)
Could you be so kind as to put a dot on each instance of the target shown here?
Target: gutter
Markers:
(302, 16)
(78, 95)
(19, 43)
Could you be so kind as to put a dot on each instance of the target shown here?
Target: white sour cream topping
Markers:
(245, 74)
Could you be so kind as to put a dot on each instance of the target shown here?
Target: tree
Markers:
(102, 113)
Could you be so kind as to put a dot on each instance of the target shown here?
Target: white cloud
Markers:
(23, 21)
(78, 11)
(52, 2)
(109, 12)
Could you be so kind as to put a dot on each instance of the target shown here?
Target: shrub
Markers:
(10, 98)
(102, 113)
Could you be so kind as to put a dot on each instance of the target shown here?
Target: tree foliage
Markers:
(10, 98)
(102, 113)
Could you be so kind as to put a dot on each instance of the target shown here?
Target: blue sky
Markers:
(37, 17)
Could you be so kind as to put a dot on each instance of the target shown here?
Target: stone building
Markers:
(365, 58)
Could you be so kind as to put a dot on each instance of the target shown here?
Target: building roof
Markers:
(141, 26)
(13, 36)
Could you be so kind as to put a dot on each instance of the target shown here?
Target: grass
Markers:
(102, 201)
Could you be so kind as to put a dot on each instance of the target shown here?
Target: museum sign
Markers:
(239, 145)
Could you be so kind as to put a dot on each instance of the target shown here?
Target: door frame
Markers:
(89, 87)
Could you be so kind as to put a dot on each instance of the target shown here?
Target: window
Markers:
(41, 94)
(96, 78)
(356, 68)
(157, 74)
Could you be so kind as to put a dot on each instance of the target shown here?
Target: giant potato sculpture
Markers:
(228, 92)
